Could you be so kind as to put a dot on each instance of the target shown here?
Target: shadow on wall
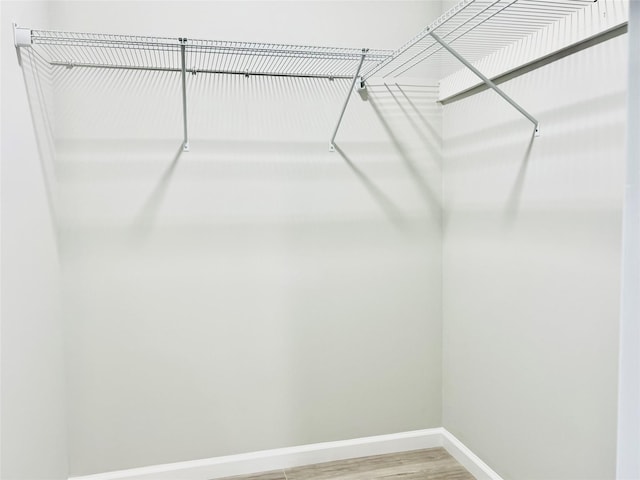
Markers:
(380, 107)
(513, 202)
(38, 84)
(145, 219)
(386, 204)
(420, 154)
(116, 105)
(258, 150)
(258, 260)
(424, 129)
(497, 156)
(509, 159)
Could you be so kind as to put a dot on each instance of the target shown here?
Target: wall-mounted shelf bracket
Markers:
(332, 145)
(487, 81)
(183, 44)
(361, 88)
(21, 36)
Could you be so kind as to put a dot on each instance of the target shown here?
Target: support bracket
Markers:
(488, 82)
(332, 144)
(361, 88)
(185, 142)
(21, 36)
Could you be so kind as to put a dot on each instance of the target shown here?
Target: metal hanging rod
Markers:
(199, 70)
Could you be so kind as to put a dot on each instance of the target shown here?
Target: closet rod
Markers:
(195, 71)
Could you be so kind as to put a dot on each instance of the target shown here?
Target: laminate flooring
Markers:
(431, 464)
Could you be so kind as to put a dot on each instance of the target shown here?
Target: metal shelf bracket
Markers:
(361, 88)
(332, 144)
(487, 81)
(21, 36)
(185, 142)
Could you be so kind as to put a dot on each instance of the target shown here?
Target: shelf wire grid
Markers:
(474, 28)
(72, 49)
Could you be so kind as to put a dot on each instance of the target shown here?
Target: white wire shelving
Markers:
(475, 29)
(193, 56)
(93, 50)
(470, 31)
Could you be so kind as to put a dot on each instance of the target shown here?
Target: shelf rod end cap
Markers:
(21, 36)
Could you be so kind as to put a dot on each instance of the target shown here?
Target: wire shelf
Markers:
(467, 33)
(475, 28)
(73, 49)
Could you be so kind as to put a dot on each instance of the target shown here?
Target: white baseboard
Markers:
(467, 458)
(282, 458)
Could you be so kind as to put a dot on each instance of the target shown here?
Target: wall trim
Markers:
(467, 458)
(281, 458)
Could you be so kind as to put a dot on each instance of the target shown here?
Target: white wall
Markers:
(33, 381)
(531, 269)
(628, 445)
(258, 291)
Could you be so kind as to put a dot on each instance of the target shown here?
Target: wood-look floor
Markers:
(431, 464)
